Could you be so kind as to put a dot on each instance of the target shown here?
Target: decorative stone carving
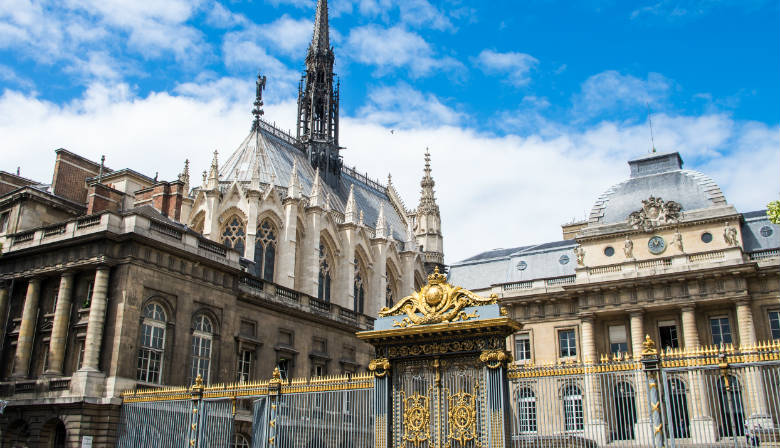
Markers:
(579, 252)
(677, 240)
(730, 235)
(628, 248)
(655, 212)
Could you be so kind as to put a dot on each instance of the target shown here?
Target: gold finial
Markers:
(199, 381)
(277, 375)
(648, 347)
(436, 278)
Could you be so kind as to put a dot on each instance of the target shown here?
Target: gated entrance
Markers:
(442, 379)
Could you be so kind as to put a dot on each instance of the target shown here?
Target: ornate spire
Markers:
(320, 41)
(213, 179)
(427, 199)
(350, 212)
(294, 188)
(258, 110)
(185, 176)
(315, 197)
(381, 223)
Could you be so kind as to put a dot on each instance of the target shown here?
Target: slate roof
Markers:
(275, 150)
(660, 176)
(546, 260)
(752, 238)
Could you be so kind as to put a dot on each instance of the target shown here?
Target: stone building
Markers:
(662, 254)
(112, 280)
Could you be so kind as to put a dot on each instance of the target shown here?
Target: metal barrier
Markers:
(323, 412)
(711, 396)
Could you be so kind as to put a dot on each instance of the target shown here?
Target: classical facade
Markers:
(662, 254)
(112, 280)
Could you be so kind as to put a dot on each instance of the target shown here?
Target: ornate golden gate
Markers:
(441, 370)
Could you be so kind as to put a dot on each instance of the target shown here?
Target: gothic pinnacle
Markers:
(320, 41)
(213, 180)
(381, 223)
(315, 197)
(293, 189)
(350, 211)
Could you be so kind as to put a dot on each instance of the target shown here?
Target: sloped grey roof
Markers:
(752, 238)
(503, 265)
(274, 151)
(660, 176)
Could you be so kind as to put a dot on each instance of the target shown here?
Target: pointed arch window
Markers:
(389, 288)
(265, 250)
(359, 290)
(323, 292)
(234, 235)
(202, 338)
(150, 355)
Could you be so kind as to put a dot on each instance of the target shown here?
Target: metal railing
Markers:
(710, 396)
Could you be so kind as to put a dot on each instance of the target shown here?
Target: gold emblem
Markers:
(494, 358)
(416, 419)
(379, 366)
(436, 302)
(462, 417)
(648, 347)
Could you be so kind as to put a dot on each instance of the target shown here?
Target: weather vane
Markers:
(258, 110)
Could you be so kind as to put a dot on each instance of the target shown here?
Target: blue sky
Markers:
(538, 104)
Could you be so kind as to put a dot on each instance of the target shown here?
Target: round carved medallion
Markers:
(656, 245)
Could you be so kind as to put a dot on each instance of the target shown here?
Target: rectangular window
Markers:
(523, 347)
(244, 370)
(617, 339)
(201, 358)
(284, 367)
(286, 338)
(721, 330)
(4, 222)
(667, 332)
(774, 324)
(567, 340)
(80, 358)
(150, 354)
(319, 370)
(88, 299)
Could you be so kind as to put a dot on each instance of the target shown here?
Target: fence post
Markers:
(274, 390)
(380, 367)
(651, 366)
(196, 393)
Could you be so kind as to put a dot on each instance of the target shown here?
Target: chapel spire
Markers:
(428, 221)
(318, 103)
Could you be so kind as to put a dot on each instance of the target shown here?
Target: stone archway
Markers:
(53, 434)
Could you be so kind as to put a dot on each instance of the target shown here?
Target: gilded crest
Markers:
(416, 419)
(436, 302)
(655, 212)
(462, 417)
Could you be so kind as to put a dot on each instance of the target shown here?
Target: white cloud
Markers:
(494, 191)
(395, 47)
(611, 90)
(401, 106)
(221, 17)
(288, 35)
(414, 13)
(242, 52)
(516, 66)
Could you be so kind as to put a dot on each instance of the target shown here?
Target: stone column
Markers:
(309, 281)
(754, 393)
(595, 427)
(3, 304)
(27, 329)
(346, 282)
(702, 424)
(407, 273)
(287, 245)
(643, 427)
(59, 330)
(378, 278)
(97, 316)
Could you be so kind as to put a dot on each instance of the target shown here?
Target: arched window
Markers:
(202, 337)
(526, 411)
(233, 235)
(625, 411)
(389, 288)
(572, 409)
(359, 290)
(150, 354)
(265, 250)
(678, 404)
(240, 441)
(323, 292)
(732, 413)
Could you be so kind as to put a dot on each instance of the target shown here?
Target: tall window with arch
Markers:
(359, 289)
(390, 289)
(573, 417)
(234, 234)
(202, 338)
(265, 249)
(150, 354)
(323, 292)
(526, 410)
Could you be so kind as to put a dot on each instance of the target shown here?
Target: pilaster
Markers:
(287, 244)
(59, 331)
(27, 329)
(309, 281)
(346, 293)
(96, 322)
(595, 426)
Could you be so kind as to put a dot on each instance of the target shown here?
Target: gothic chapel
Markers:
(307, 222)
